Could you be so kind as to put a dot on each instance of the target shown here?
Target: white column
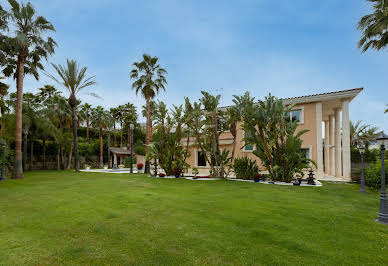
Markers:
(345, 139)
(318, 117)
(338, 153)
(331, 142)
(114, 160)
(327, 147)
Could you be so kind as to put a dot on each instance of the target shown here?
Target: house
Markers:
(118, 156)
(325, 115)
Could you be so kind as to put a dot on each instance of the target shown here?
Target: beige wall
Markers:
(309, 139)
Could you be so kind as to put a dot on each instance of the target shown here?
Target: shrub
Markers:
(139, 166)
(128, 161)
(140, 149)
(372, 175)
(245, 168)
(161, 175)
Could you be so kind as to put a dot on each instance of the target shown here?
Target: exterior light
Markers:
(361, 148)
(382, 140)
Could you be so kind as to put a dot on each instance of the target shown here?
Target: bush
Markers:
(128, 161)
(244, 168)
(370, 156)
(372, 175)
(139, 166)
(140, 149)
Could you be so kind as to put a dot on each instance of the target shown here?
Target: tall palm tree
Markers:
(114, 115)
(99, 120)
(149, 78)
(130, 118)
(86, 110)
(74, 79)
(24, 53)
(120, 115)
(374, 27)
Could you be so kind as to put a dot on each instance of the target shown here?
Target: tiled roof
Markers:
(119, 150)
(322, 94)
(316, 97)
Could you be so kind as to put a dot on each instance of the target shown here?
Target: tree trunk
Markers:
(58, 163)
(121, 134)
(64, 159)
(108, 142)
(114, 133)
(18, 167)
(87, 130)
(233, 130)
(101, 150)
(73, 102)
(69, 160)
(148, 134)
(61, 156)
(2, 118)
(32, 154)
(44, 153)
(24, 155)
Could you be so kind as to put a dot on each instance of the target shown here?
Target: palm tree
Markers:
(364, 133)
(47, 92)
(24, 53)
(85, 114)
(120, 116)
(59, 113)
(46, 129)
(130, 118)
(99, 120)
(114, 114)
(374, 27)
(149, 78)
(3, 92)
(30, 118)
(74, 79)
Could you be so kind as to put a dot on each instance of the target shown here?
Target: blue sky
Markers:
(288, 48)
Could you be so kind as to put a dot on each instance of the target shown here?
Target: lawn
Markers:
(94, 218)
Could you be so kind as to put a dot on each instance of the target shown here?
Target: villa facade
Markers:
(327, 142)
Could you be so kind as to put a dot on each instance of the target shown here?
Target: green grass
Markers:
(94, 218)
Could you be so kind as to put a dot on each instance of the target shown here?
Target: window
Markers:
(295, 115)
(201, 160)
(306, 153)
(248, 147)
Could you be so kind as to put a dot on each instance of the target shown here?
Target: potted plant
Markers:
(256, 178)
(300, 177)
(105, 167)
(177, 173)
(161, 175)
(139, 166)
(87, 167)
(195, 172)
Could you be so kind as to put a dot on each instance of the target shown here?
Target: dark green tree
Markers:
(22, 54)
(74, 79)
(149, 78)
